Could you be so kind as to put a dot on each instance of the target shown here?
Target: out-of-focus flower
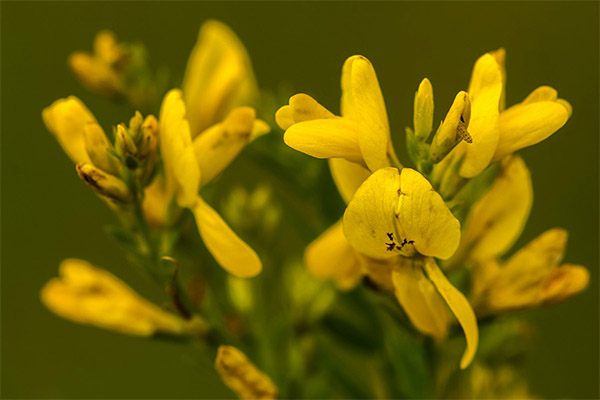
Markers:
(89, 295)
(497, 219)
(242, 377)
(185, 164)
(396, 216)
(532, 277)
(101, 71)
(218, 77)
(497, 132)
(118, 70)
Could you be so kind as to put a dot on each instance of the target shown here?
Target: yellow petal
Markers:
(66, 120)
(231, 252)
(424, 217)
(485, 91)
(393, 214)
(89, 295)
(542, 93)
(325, 138)
(218, 76)
(500, 57)
(301, 108)
(104, 184)
(423, 110)
(524, 125)
(330, 256)
(459, 306)
(498, 218)
(420, 299)
(259, 128)
(348, 176)
(97, 147)
(538, 256)
(242, 376)
(216, 147)
(361, 89)
(371, 214)
(181, 167)
(156, 203)
(457, 118)
(564, 282)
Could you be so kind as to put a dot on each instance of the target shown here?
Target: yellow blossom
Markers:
(495, 221)
(218, 77)
(88, 295)
(533, 276)
(67, 119)
(360, 135)
(397, 216)
(242, 377)
(98, 71)
(497, 132)
(183, 172)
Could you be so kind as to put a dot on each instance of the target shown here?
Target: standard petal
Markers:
(424, 218)
(216, 147)
(564, 282)
(301, 108)
(420, 300)
(181, 167)
(218, 76)
(231, 252)
(348, 176)
(526, 124)
(498, 218)
(66, 120)
(370, 218)
(330, 256)
(460, 307)
(325, 138)
(367, 109)
(485, 91)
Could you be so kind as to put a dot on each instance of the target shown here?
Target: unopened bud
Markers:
(126, 148)
(104, 184)
(98, 148)
(454, 128)
(135, 124)
(423, 112)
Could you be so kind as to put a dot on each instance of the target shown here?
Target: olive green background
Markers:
(48, 214)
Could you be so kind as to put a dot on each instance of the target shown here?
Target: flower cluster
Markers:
(433, 237)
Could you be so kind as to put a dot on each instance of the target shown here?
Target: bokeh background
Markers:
(48, 214)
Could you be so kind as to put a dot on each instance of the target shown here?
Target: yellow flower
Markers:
(397, 216)
(497, 132)
(186, 163)
(532, 277)
(217, 80)
(360, 135)
(241, 376)
(357, 141)
(88, 295)
(99, 71)
(67, 119)
(218, 77)
(496, 221)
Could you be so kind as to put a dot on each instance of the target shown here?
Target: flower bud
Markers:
(104, 184)
(453, 129)
(423, 110)
(135, 124)
(126, 147)
(241, 376)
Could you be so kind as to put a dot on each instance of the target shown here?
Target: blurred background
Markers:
(48, 214)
